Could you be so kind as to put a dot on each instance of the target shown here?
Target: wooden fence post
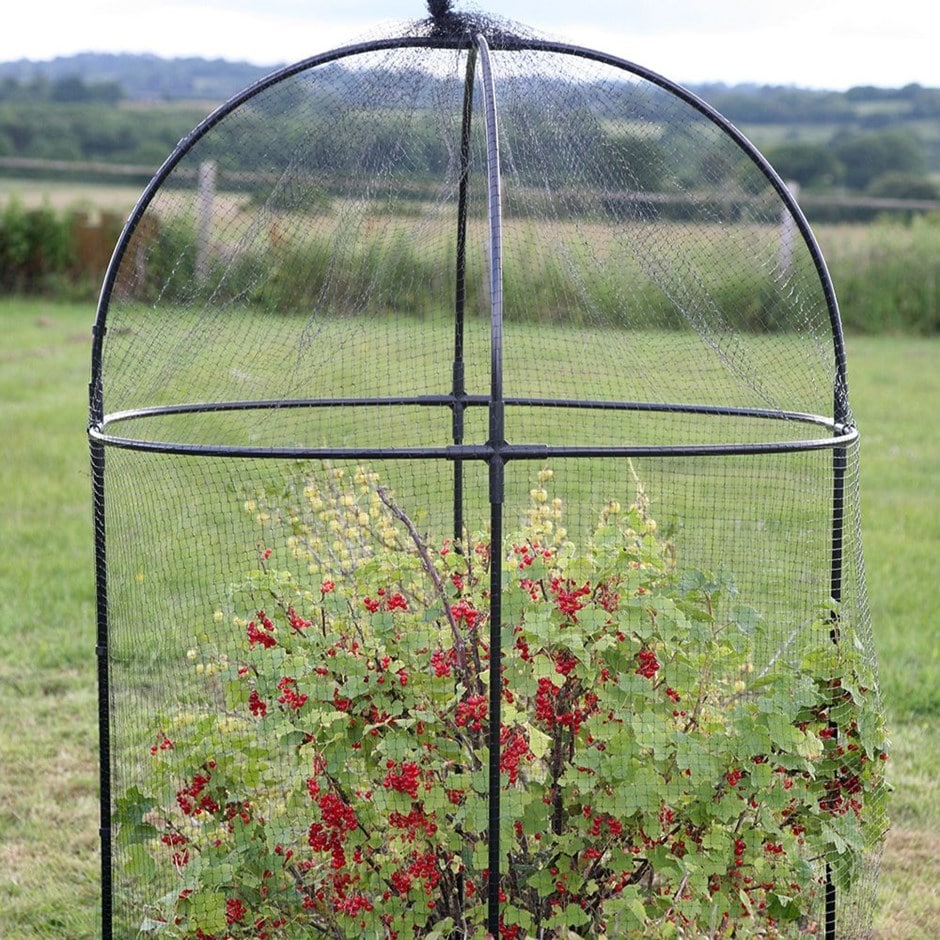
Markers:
(788, 231)
(207, 183)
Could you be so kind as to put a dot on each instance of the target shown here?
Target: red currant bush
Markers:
(655, 780)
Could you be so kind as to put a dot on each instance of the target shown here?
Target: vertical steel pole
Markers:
(842, 415)
(101, 651)
(459, 388)
(95, 420)
(497, 476)
(839, 465)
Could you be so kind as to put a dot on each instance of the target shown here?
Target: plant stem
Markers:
(433, 574)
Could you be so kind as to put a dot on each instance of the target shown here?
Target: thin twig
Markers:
(433, 574)
(332, 929)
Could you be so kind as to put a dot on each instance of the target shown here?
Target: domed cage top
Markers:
(457, 347)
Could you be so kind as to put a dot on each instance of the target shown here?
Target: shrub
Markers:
(35, 248)
(807, 164)
(654, 781)
(904, 186)
(868, 156)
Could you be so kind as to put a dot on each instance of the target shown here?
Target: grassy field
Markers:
(48, 759)
(886, 271)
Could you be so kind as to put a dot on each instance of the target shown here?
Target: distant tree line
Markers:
(141, 77)
(56, 114)
(69, 89)
(888, 163)
(70, 119)
(761, 104)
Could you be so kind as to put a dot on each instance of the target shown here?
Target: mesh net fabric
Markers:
(657, 293)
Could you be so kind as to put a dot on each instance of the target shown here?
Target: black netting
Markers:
(461, 341)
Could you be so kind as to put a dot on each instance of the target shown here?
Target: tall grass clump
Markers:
(887, 275)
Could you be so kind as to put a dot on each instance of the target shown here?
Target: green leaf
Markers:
(516, 915)
(129, 813)
(480, 856)
(543, 667)
(477, 814)
(640, 792)
(633, 908)
(571, 916)
(208, 911)
(538, 625)
(593, 621)
(747, 619)
(760, 776)
(652, 730)
(539, 741)
(292, 739)
(535, 815)
(580, 570)
(217, 873)
(442, 931)
(140, 863)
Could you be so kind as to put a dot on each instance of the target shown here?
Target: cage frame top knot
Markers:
(481, 39)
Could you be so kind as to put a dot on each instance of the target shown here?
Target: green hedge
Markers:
(61, 254)
(35, 249)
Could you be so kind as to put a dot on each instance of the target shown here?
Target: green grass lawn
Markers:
(48, 738)
(895, 387)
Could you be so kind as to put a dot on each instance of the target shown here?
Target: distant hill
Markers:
(151, 77)
(879, 141)
(143, 77)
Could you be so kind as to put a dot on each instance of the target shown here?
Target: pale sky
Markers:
(810, 43)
